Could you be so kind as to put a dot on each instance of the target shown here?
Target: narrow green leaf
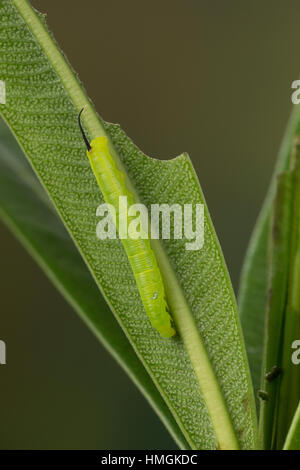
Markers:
(290, 383)
(293, 438)
(27, 210)
(202, 373)
(254, 278)
(276, 302)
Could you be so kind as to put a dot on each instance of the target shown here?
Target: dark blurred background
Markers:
(209, 77)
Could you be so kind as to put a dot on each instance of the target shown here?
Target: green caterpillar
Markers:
(111, 182)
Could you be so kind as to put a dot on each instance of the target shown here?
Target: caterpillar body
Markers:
(141, 257)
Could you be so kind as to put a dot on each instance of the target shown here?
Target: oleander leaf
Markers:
(202, 373)
(254, 279)
(293, 438)
(289, 390)
(27, 210)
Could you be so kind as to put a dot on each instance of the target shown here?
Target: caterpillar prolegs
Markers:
(141, 257)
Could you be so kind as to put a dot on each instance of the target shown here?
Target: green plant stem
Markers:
(290, 383)
(253, 283)
(276, 301)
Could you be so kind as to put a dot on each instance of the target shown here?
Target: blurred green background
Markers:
(209, 77)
